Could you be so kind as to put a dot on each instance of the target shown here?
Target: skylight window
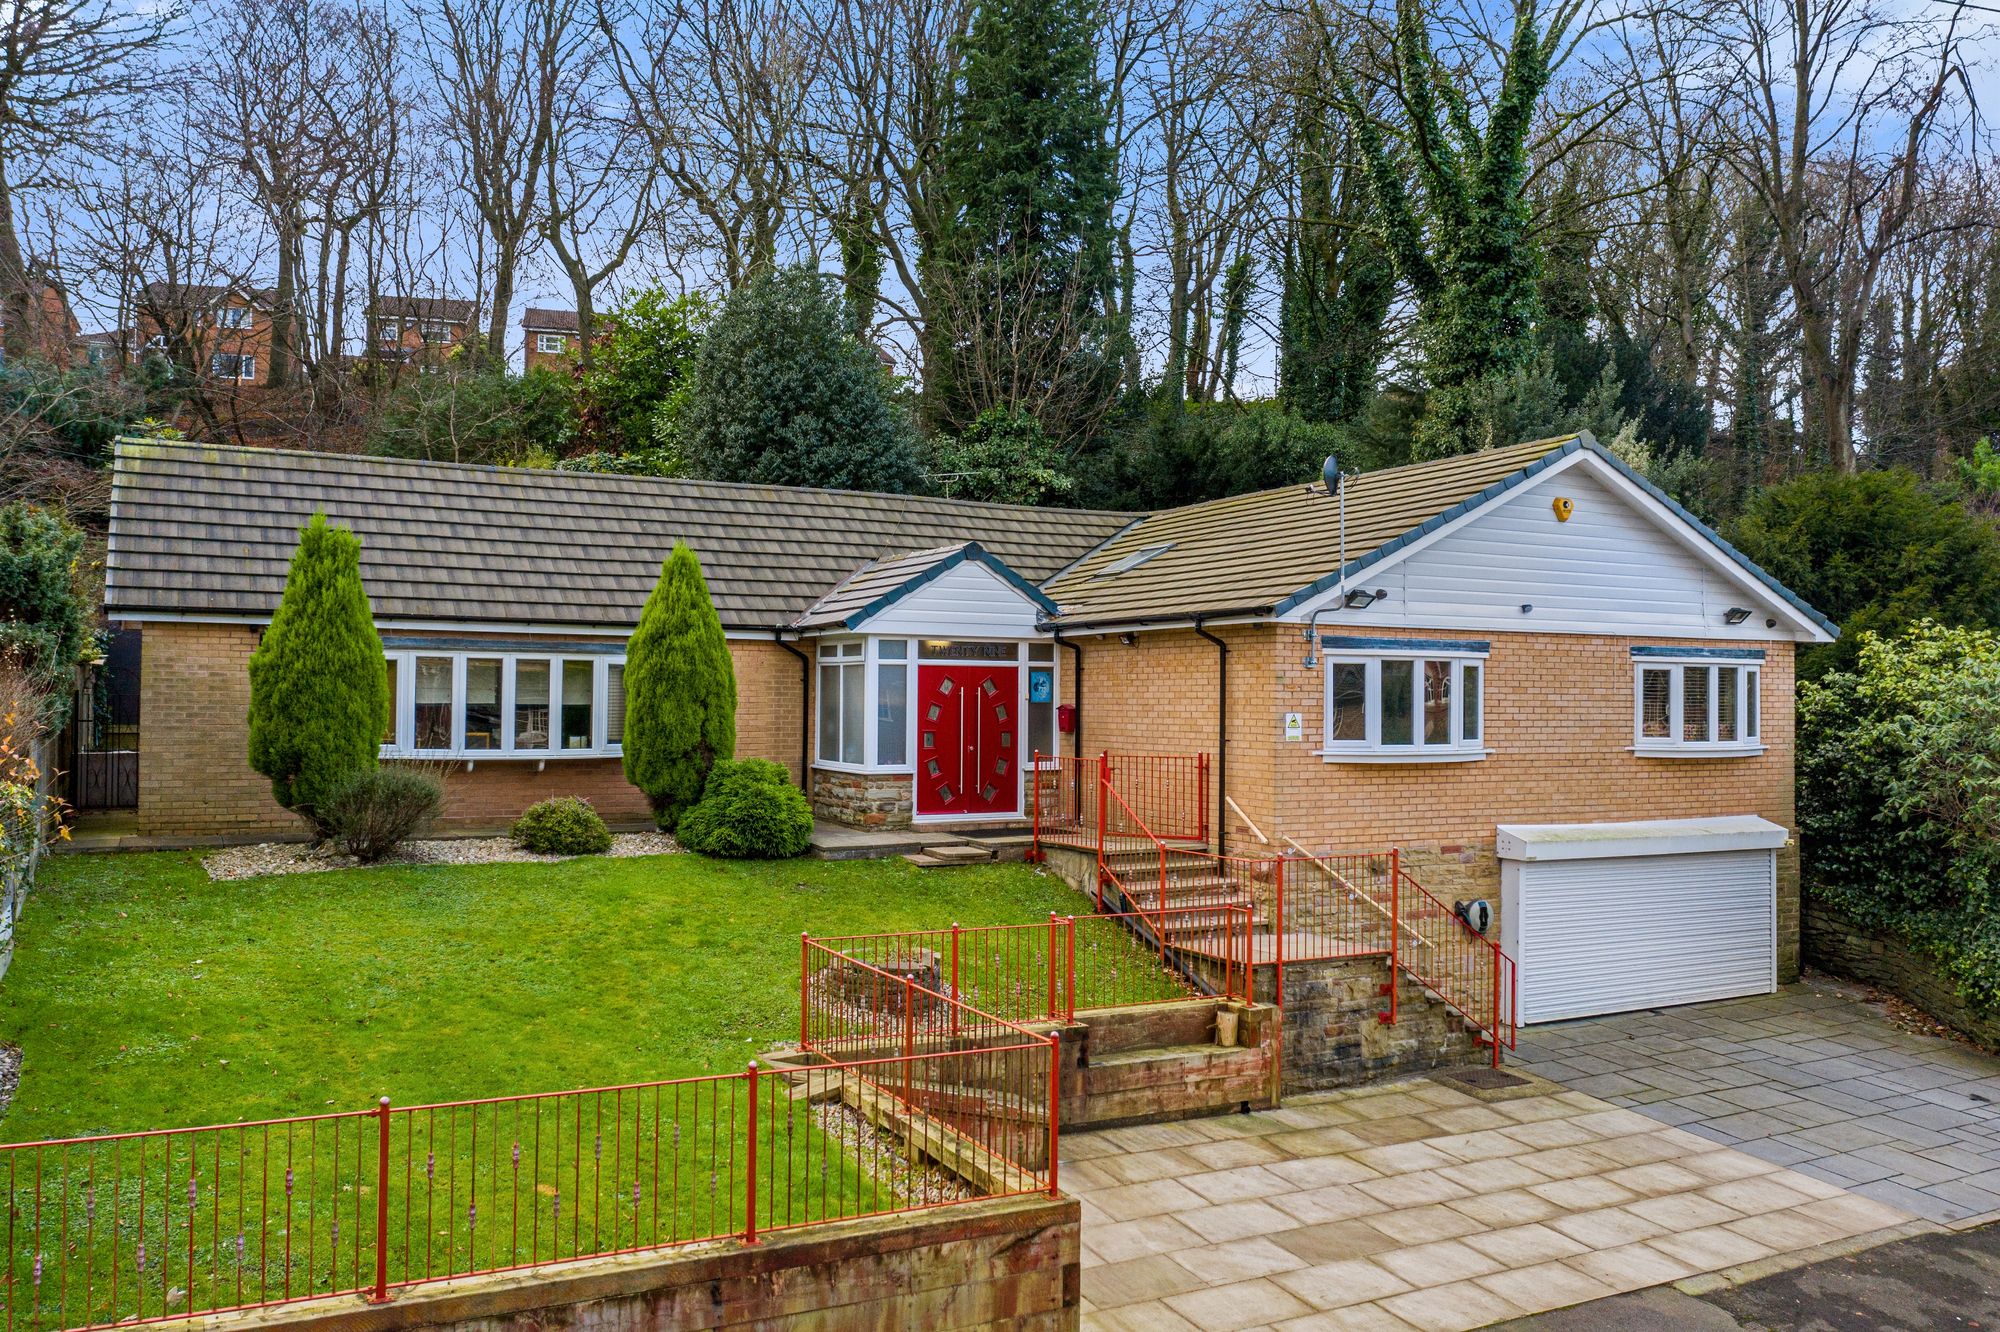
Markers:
(1127, 563)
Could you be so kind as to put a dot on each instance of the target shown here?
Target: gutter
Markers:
(1154, 621)
(1221, 737)
(1076, 660)
(805, 708)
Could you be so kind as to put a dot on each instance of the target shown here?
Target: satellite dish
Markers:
(1330, 473)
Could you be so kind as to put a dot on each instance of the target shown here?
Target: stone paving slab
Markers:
(1813, 1078)
(1415, 1205)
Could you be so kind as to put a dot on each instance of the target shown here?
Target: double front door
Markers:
(968, 738)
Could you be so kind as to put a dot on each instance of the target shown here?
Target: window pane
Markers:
(1437, 702)
(1350, 701)
(1694, 703)
(1725, 702)
(892, 715)
(389, 727)
(1469, 704)
(482, 703)
(1041, 710)
(1398, 687)
(531, 705)
(433, 702)
(614, 703)
(576, 697)
(852, 710)
(829, 712)
(1041, 652)
(1656, 705)
(1750, 731)
(892, 649)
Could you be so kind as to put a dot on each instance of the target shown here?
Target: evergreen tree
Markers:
(680, 691)
(629, 400)
(1020, 268)
(783, 394)
(1461, 241)
(319, 693)
(1237, 281)
(44, 620)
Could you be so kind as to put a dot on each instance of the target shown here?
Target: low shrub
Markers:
(564, 826)
(377, 809)
(748, 811)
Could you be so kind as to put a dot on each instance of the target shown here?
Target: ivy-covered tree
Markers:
(680, 691)
(1460, 240)
(783, 394)
(319, 693)
(1018, 270)
(1004, 457)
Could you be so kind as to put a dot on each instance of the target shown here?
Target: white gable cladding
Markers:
(968, 600)
(1609, 569)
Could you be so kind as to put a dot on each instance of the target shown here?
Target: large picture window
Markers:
(494, 705)
(1404, 707)
(1698, 707)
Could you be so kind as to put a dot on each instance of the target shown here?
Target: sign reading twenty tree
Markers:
(319, 693)
(680, 691)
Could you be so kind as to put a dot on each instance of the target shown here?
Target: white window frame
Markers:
(1749, 708)
(871, 661)
(551, 344)
(1371, 749)
(233, 316)
(405, 660)
(246, 366)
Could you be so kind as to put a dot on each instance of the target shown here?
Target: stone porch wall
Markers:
(1013, 1264)
(863, 799)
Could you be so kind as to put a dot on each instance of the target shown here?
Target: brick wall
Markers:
(1558, 718)
(1013, 1264)
(196, 783)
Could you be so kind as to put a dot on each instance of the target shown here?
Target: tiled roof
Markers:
(876, 586)
(1256, 552)
(201, 296)
(449, 309)
(537, 320)
(203, 529)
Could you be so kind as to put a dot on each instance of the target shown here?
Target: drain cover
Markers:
(1483, 1079)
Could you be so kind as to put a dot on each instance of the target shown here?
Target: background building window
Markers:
(551, 344)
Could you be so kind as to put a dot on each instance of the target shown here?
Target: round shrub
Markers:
(376, 809)
(564, 826)
(749, 811)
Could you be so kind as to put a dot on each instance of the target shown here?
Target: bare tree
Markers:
(1832, 111)
(498, 68)
(70, 70)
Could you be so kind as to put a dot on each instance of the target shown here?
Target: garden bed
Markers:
(250, 862)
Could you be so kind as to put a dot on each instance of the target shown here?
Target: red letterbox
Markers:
(1066, 718)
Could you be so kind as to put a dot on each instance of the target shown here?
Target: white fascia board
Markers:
(1530, 842)
(1328, 603)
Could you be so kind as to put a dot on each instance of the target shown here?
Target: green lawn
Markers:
(144, 996)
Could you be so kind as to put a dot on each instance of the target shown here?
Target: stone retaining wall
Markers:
(1010, 1264)
(1335, 1038)
(1836, 944)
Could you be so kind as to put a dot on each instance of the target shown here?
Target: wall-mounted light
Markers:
(1128, 639)
(1361, 598)
(1527, 608)
(1736, 615)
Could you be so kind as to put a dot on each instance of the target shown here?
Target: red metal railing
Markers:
(1462, 967)
(143, 1227)
(1162, 795)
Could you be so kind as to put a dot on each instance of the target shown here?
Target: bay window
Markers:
(1695, 705)
(865, 689)
(1409, 703)
(495, 705)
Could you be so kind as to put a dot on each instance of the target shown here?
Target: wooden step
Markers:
(1147, 1026)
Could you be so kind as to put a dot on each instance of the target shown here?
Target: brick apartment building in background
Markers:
(222, 333)
(417, 330)
(53, 334)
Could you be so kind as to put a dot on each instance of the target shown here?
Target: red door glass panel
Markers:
(967, 738)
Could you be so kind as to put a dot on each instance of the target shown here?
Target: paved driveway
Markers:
(1416, 1205)
(1812, 1078)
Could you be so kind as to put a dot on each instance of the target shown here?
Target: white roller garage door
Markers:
(1604, 918)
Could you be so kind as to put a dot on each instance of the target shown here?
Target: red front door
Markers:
(967, 758)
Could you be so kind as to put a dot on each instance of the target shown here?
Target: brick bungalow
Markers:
(1529, 669)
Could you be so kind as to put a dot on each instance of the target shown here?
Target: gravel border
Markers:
(10, 1075)
(250, 862)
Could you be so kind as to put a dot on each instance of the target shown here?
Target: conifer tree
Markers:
(680, 691)
(319, 691)
(1021, 265)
